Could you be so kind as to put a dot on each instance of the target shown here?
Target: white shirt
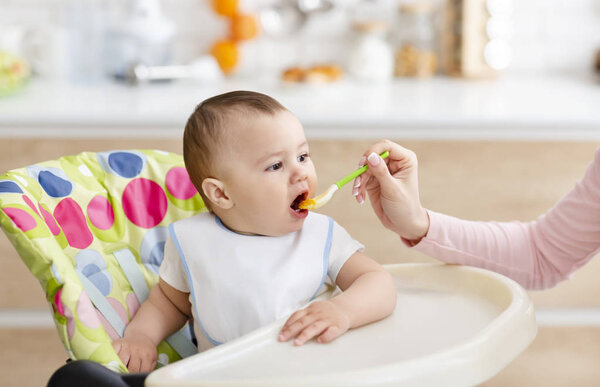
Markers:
(238, 283)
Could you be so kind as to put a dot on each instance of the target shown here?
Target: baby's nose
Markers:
(300, 174)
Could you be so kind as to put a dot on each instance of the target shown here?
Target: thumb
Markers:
(379, 169)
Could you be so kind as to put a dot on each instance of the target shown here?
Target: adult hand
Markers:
(393, 188)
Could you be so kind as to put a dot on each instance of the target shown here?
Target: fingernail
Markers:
(357, 182)
(361, 200)
(281, 337)
(363, 161)
(374, 159)
(355, 192)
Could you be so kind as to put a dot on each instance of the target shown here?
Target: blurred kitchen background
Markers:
(86, 41)
(500, 99)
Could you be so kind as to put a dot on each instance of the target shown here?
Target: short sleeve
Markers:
(171, 269)
(343, 246)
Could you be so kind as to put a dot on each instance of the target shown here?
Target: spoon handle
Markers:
(358, 172)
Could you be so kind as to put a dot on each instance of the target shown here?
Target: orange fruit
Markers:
(225, 7)
(243, 27)
(226, 54)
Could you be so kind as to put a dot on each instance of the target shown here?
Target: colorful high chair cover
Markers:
(92, 229)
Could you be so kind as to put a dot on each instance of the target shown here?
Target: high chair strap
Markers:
(102, 304)
(133, 273)
(180, 343)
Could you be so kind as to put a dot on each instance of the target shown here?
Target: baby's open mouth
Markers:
(297, 201)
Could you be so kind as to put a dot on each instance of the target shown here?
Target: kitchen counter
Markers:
(513, 107)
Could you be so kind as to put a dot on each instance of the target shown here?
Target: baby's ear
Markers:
(214, 189)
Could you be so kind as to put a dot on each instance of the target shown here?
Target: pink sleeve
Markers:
(537, 254)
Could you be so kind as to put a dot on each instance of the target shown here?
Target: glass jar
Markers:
(415, 40)
(372, 57)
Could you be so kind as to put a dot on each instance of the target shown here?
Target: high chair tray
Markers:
(452, 326)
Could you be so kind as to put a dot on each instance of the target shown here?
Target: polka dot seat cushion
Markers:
(92, 229)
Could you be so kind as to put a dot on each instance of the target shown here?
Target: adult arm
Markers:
(536, 254)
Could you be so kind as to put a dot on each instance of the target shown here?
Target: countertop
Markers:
(512, 107)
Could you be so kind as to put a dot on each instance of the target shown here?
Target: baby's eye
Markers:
(275, 166)
(303, 157)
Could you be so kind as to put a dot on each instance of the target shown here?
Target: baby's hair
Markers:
(204, 129)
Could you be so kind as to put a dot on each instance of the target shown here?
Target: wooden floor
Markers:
(557, 357)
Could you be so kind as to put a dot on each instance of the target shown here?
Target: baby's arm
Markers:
(368, 295)
(164, 312)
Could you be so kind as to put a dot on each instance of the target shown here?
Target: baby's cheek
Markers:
(312, 184)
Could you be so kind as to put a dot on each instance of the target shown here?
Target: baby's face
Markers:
(267, 172)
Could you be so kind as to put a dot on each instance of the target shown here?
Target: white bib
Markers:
(239, 283)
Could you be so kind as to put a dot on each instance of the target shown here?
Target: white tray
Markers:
(452, 326)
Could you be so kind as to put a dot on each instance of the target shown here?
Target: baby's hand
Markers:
(324, 319)
(137, 352)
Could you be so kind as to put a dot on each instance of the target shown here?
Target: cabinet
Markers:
(477, 180)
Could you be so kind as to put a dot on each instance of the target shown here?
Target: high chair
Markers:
(92, 228)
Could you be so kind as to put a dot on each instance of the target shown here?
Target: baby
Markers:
(255, 257)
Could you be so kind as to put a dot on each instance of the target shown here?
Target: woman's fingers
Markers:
(356, 189)
(360, 192)
(379, 147)
(362, 161)
(397, 165)
(397, 152)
